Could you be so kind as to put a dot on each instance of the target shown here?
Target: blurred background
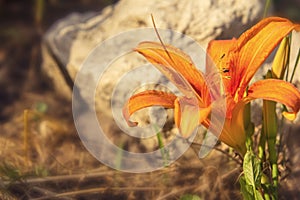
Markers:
(22, 86)
(22, 25)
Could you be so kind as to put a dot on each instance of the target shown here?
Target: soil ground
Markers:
(48, 160)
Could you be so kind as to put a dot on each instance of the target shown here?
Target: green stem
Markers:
(295, 66)
(273, 156)
(164, 152)
(119, 157)
(275, 176)
(267, 196)
(270, 129)
(287, 69)
(267, 6)
(261, 146)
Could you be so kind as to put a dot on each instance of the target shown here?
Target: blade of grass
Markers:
(164, 153)
(118, 160)
(267, 6)
(26, 136)
(296, 65)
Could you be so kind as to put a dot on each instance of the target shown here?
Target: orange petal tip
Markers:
(290, 116)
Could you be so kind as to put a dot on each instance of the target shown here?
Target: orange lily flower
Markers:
(237, 61)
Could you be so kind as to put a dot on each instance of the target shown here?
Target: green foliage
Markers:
(256, 184)
(41, 171)
(295, 66)
(164, 153)
(251, 180)
(252, 169)
(267, 6)
(190, 197)
(41, 107)
(9, 172)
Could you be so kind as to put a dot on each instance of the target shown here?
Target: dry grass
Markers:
(53, 164)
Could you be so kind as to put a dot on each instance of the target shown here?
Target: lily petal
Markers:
(256, 44)
(176, 66)
(233, 133)
(146, 99)
(219, 51)
(240, 59)
(276, 90)
(188, 115)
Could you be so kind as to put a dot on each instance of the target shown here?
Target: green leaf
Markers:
(41, 107)
(252, 177)
(252, 169)
(190, 197)
(247, 190)
(257, 195)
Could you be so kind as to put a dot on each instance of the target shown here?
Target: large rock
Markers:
(69, 42)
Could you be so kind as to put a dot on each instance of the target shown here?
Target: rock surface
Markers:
(71, 40)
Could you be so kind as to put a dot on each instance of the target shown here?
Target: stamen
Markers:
(158, 36)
